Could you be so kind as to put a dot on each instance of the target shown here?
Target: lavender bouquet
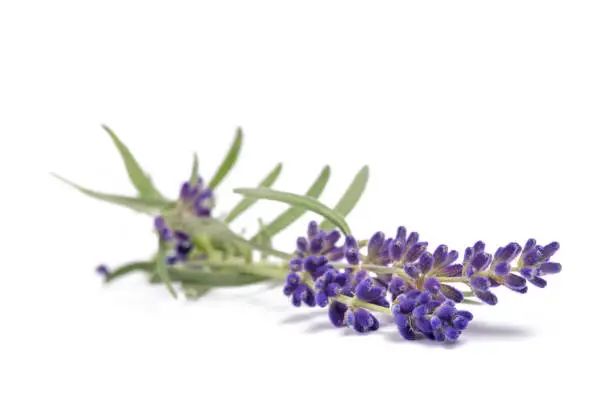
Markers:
(355, 279)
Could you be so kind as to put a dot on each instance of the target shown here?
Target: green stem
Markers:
(458, 279)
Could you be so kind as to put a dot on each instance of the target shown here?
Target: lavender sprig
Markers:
(401, 277)
(396, 275)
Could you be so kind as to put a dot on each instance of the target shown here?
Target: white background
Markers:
(479, 119)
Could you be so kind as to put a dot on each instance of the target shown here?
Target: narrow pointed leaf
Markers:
(228, 162)
(141, 204)
(304, 202)
(161, 269)
(294, 213)
(351, 196)
(195, 170)
(140, 180)
(224, 278)
(245, 203)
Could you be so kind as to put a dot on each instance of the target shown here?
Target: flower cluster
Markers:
(484, 271)
(180, 241)
(420, 284)
(421, 312)
(196, 198)
(319, 242)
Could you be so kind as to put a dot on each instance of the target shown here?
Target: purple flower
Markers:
(351, 248)
(319, 242)
(197, 198)
(337, 313)
(421, 314)
(103, 270)
(362, 320)
(368, 291)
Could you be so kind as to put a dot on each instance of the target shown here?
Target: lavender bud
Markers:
(451, 333)
(550, 249)
(487, 297)
(406, 305)
(468, 254)
(333, 289)
(332, 238)
(439, 255)
(446, 312)
(529, 273)
(465, 314)
(460, 322)
(416, 251)
(479, 247)
(436, 323)
(407, 333)
(550, 267)
(293, 279)
(479, 283)
(335, 254)
(321, 299)
(509, 252)
(397, 286)
(538, 282)
(453, 270)
(400, 320)
(302, 244)
(288, 290)
(316, 243)
(531, 257)
(395, 250)
(514, 281)
(451, 293)
(423, 298)
(352, 255)
(186, 191)
(411, 271)
(103, 271)
(375, 244)
(419, 311)
(529, 245)
(432, 285)
(413, 238)
(312, 230)
(366, 290)
(337, 312)
(502, 268)
(426, 262)
(480, 260)
(401, 234)
(423, 324)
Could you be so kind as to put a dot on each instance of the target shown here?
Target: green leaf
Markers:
(264, 238)
(195, 170)
(142, 204)
(245, 203)
(350, 197)
(294, 213)
(129, 268)
(228, 162)
(214, 279)
(161, 269)
(140, 180)
(307, 203)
